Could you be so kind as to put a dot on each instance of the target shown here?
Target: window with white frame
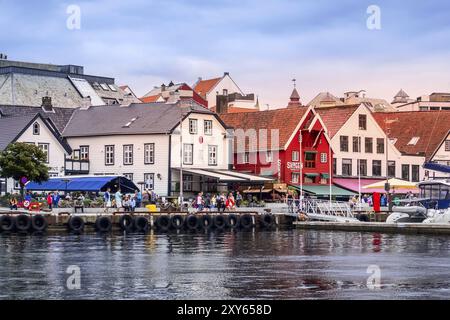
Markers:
(36, 129)
(149, 180)
(128, 154)
(269, 157)
(212, 155)
(295, 177)
(188, 153)
(129, 176)
(193, 126)
(45, 148)
(447, 145)
(16, 185)
(323, 157)
(109, 155)
(84, 152)
(295, 155)
(207, 126)
(149, 153)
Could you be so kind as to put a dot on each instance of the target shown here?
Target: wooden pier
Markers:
(381, 227)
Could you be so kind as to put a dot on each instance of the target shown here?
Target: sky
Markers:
(325, 44)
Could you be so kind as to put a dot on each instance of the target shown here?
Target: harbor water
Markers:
(279, 264)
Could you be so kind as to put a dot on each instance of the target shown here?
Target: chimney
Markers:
(226, 74)
(86, 103)
(221, 104)
(47, 104)
(163, 87)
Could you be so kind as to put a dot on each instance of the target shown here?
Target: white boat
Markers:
(438, 216)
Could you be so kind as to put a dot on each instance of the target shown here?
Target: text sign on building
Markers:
(293, 165)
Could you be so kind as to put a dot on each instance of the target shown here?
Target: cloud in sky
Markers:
(263, 44)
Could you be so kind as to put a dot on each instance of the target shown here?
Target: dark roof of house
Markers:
(59, 118)
(137, 118)
(11, 127)
(427, 127)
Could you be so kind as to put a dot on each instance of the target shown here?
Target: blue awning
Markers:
(437, 167)
(88, 183)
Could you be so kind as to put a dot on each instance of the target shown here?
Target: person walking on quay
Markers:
(238, 199)
(133, 203)
(118, 198)
(230, 203)
(13, 203)
(199, 201)
(126, 204)
(107, 199)
(138, 198)
(56, 199)
(50, 201)
(213, 202)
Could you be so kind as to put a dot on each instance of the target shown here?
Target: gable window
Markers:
(391, 169)
(128, 154)
(380, 145)
(295, 177)
(376, 168)
(84, 152)
(188, 153)
(149, 181)
(310, 159)
(36, 129)
(269, 157)
(45, 148)
(344, 143)
(129, 176)
(149, 153)
(207, 127)
(356, 144)
(246, 158)
(295, 155)
(193, 126)
(212, 155)
(346, 167)
(362, 122)
(109, 155)
(187, 182)
(362, 170)
(415, 173)
(405, 172)
(447, 145)
(323, 157)
(368, 145)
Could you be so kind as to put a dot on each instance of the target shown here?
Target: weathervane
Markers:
(293, 80)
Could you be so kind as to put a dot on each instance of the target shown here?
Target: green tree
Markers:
(20, 160)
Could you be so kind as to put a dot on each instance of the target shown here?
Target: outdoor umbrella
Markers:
(394, 184)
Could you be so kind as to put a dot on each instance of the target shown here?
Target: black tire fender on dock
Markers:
(7, 223)
(206, 221)
(363, 218)
(75, 224)
(141, 224)
(192, 222)
(177, 222)
(246, 221)
(163, 223)
(126, 223)
(232, 221)
(267, 220)
(219, 222)
(39, 223)
(23, 223)
(103, 224)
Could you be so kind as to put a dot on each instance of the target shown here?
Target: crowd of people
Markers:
(217, 201)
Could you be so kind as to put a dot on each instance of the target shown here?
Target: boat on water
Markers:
(432, 206)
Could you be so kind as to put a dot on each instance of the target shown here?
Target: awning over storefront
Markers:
(311, 175)
(352, 184)
(324, 190)
(437, 167)
(83, 183)
(226, 175)
(257, 191)
(325, 175)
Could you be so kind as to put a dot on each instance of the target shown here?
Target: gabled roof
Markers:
(415, 132)
(203, 87)
(150, 99)
(401, 94)
(137, 118)
(335, 117)
(285, 120)
(325, 99)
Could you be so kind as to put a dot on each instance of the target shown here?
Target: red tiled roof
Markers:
(150, 99)
(335, 117)
(285, 120)
(204, 86)
(429, 126)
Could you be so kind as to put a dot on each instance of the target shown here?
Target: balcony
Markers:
(76, 166)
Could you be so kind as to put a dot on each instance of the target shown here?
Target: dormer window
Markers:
(36, 129)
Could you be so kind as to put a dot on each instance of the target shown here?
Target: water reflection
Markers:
(279, 264)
